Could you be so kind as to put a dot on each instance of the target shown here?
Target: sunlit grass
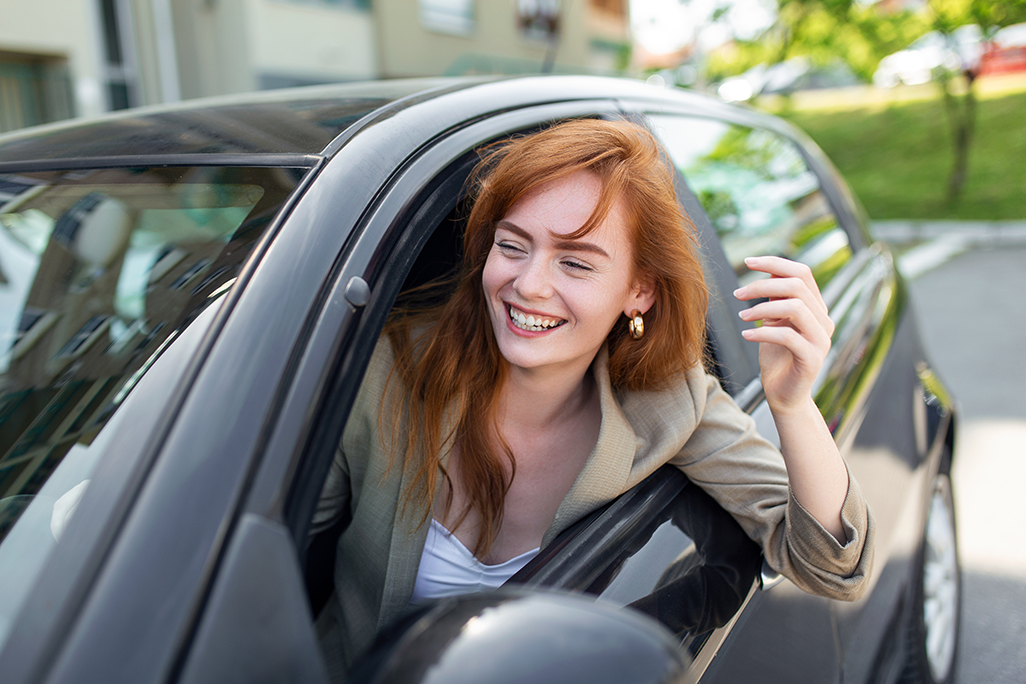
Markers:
(895, 149)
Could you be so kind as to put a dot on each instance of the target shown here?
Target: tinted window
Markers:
(102, 272)
(758, 192)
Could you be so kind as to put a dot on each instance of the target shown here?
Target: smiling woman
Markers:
(580, 286)
(564, 368)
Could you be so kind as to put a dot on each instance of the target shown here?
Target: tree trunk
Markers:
(961, 112)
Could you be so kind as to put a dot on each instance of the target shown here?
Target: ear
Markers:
(642, 296)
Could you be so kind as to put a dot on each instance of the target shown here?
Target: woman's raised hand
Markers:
(794, 337)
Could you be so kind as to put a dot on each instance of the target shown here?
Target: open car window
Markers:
(759, 193)
(672, 545)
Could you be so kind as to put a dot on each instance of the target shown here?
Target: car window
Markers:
(102, 272)
(759, 193)
(661, 556)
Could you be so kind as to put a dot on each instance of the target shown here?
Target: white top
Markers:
(448, 568)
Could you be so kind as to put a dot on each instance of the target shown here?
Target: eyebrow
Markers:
(572, 245)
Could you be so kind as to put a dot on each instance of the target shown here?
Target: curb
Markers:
(933, 243)
(968, 233)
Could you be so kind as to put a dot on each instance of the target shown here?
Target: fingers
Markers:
(793, 313)
(802, 350)
(781, 267)
(789, 280)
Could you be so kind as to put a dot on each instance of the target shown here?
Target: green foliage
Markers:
(736, 58)
(994, 13)
(897, 159)
(824, 31)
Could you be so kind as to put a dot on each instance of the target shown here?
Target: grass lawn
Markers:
(896, 151)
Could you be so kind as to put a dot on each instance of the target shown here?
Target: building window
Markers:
(118, 64)
(33, 91)
(447, 16)
(538, 19)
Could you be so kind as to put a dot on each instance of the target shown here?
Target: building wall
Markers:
(212, 44)
(62, 35)
(409, 48)
(609, 35)
(181, 49)
(295, 43)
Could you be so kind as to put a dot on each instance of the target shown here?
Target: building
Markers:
(63, 58)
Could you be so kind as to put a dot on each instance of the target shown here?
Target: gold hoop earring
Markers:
(636, 325)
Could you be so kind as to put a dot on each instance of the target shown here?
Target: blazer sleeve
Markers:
(359, 441)
(746, 475)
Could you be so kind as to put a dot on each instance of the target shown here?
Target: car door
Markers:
(664, 544)
(271, 575)
(765, 193)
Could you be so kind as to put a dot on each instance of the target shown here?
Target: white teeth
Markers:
(533, 323)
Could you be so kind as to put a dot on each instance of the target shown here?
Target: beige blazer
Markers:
(695, 426)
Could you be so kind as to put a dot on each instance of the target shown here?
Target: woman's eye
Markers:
(509, 248)
(576, 265)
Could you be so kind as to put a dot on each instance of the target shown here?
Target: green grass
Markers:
(898, 155)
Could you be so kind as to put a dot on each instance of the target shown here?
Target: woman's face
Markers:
(553, 301)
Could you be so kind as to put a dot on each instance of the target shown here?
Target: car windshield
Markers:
(102, 272)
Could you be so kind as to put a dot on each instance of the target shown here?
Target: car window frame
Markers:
(841, 201)
(341, 340)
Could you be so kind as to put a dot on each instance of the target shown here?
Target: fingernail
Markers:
(739, 292)
(751, 260)
(741, 314)
(748, 332)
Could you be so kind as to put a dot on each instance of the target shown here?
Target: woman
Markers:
(564, 368)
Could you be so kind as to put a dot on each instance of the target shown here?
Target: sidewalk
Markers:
(931, 243)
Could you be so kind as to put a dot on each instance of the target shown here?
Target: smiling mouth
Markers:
(533, 323)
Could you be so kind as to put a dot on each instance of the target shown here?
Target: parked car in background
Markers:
(1005, 51)
(189, 297)
(960, 51)
(789, 76)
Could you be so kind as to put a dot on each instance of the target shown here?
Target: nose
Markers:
(534, 280)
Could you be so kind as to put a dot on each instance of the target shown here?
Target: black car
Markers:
(189, 296)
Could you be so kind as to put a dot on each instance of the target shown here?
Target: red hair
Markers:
(459, 369)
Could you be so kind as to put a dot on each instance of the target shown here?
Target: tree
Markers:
(947, 17)
(825, 30)
(861, 35)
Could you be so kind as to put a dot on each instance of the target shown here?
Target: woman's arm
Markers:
(794, 339)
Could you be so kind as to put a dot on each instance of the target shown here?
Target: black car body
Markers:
(196, 362)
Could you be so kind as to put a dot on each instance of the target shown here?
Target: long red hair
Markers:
(458, 370)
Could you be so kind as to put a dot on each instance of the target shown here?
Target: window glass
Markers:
(447, 16)
(102, 274)
(759, 194)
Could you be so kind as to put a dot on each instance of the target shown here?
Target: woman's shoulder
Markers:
(683, 394)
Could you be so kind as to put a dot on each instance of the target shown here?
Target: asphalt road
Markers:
(972, 311)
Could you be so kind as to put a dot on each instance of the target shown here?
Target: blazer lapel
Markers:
(606, 472)
(409, 534)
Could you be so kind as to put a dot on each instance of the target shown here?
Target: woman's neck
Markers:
(543, 399)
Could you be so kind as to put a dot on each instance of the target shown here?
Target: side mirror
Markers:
(518, 635)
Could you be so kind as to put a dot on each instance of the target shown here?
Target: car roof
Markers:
(283, 126)
(295, 121)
